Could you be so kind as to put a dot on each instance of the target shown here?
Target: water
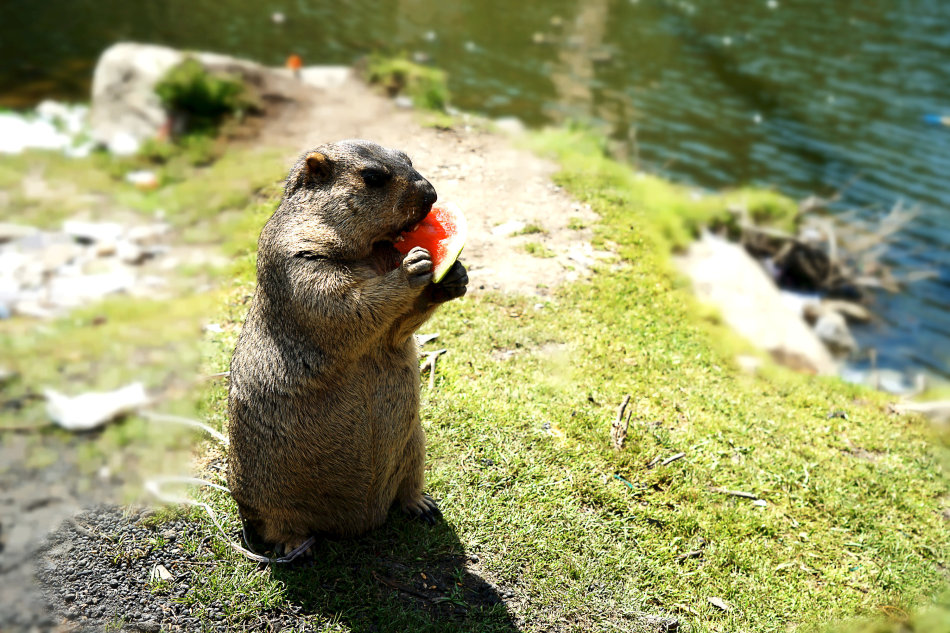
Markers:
(808, 97)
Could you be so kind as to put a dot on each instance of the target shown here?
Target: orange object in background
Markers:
(295, 63)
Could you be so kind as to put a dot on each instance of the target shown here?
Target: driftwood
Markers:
(839, 258)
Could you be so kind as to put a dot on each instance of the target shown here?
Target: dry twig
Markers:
(735, 493)
(618, 430)
(672, 458)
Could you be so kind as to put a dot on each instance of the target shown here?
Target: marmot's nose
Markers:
(428, 193)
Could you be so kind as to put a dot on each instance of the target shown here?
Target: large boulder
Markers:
(725, 275)
(126, 111)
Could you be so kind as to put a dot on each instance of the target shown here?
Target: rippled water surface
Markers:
(807, 96)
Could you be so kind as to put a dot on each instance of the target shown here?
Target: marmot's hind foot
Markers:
(285, 549)
(424, 508)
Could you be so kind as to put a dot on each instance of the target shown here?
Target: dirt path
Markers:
(501, 189)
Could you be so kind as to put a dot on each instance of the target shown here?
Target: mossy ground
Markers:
(573, 534)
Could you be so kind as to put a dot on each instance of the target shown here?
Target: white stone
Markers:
(10, 231)
(833, 331)
(75, 291)
(93, 231)
(325, 77)
(725, 275)
(146, 232)
(510, 125)
(18, 133)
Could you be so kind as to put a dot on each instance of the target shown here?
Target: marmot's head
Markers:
(347, 196)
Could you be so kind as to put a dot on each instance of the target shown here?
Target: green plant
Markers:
(201, 100)
(537, 249)
(531, 229)
(426, 86)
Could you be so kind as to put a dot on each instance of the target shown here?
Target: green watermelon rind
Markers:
(455, 244)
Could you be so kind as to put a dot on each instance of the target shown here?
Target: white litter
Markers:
(93, 409)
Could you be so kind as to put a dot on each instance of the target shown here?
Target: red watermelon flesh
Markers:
(442, 233)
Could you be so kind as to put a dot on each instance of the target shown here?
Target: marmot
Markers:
(324, 395)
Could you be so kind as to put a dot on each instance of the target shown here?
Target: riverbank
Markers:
(735, 501)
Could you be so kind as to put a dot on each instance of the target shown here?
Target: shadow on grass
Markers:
(404, 576)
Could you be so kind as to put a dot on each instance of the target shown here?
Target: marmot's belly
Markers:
(340, 453)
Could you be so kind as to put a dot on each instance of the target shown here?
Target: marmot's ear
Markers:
(319, 166)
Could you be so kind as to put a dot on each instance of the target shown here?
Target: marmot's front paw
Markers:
(452, 286)
(418, 267)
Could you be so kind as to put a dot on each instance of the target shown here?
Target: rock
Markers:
(510, 125)
(75, 291)
(144, 179)
(325, 77)
(833, 331)
(55, 256)
(749, 364)
(90, 232)
(10, 231)
(19, 132)
(124, 105)
(725, 275)
(125, 109)
(147, 232)
(131, 253)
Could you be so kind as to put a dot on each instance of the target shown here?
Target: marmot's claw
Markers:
(425, 509)
(418, 267)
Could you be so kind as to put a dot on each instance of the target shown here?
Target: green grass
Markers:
(576, 535)
(537, 249)
(531, 229)
(587, 537)
(123, 339)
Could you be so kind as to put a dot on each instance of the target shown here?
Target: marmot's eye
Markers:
(375, 177)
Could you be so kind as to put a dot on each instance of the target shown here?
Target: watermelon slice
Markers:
(442, 233)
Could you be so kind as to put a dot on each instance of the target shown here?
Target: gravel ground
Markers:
(93, 580)
(97, 573)
(34, 499)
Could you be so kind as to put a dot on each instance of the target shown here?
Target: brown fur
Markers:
(324, 397)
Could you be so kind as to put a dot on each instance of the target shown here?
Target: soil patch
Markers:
(506, 193)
